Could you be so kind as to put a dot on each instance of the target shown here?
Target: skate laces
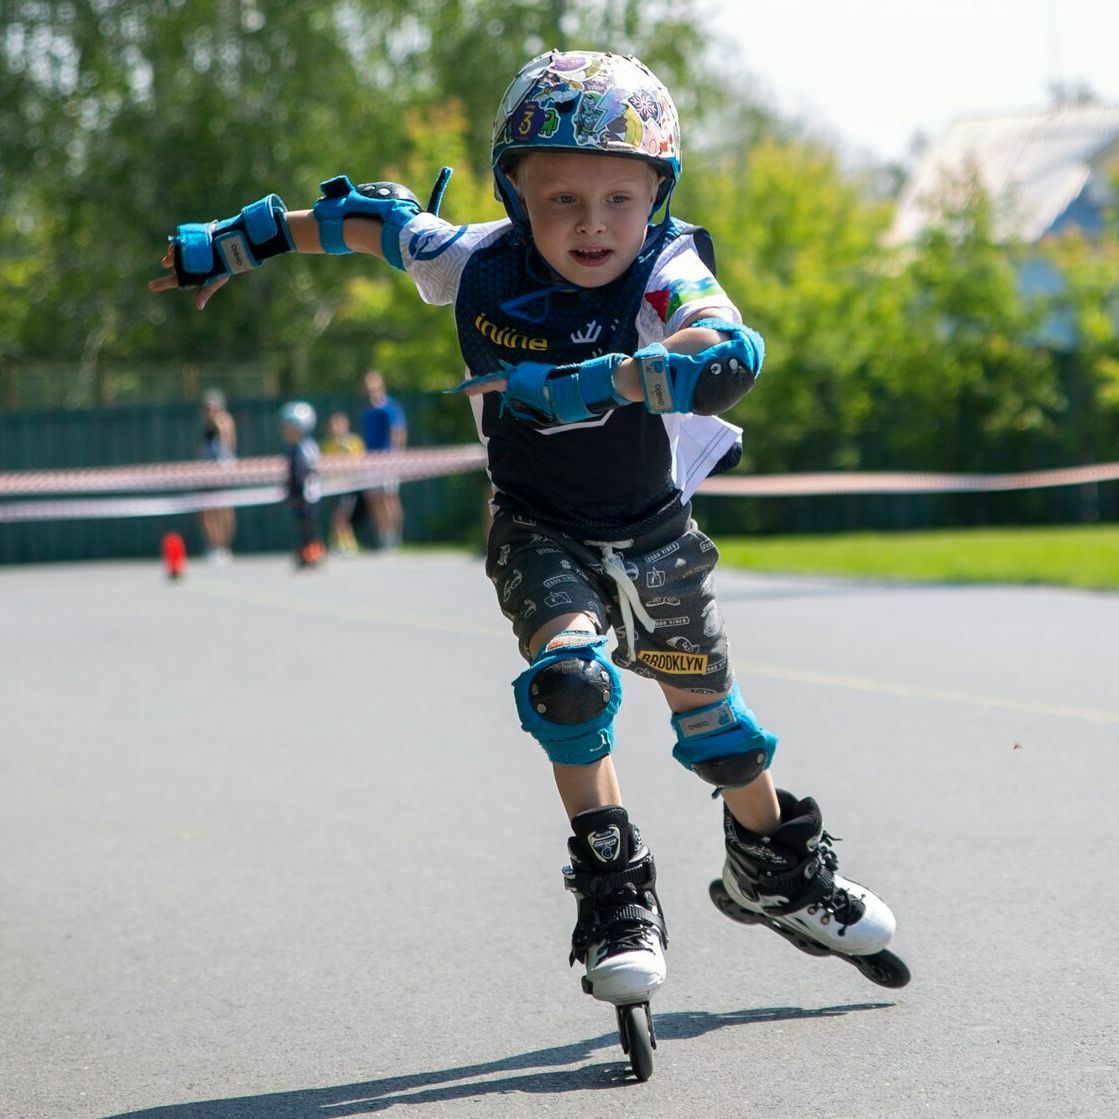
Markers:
(615, 912)
(837, 902)
(627, 931)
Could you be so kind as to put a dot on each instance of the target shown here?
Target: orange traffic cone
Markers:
(174, 555)
(311, 555)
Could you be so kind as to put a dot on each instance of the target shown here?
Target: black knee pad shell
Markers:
(571, 691)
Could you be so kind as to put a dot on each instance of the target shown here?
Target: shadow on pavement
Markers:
(549, 1073)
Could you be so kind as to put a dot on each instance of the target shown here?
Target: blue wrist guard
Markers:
(550, 394)
(207, 251)
(391, 204)
(706, 383)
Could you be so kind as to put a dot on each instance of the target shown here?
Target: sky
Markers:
(873, 73)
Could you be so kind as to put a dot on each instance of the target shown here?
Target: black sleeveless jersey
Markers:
(594, 479)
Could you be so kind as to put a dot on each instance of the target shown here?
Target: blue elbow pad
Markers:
(706, 383)
(391, 204)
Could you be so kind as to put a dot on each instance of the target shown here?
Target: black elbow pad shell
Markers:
(721, 386)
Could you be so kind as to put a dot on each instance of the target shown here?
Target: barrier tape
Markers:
(232, 484)
(803, 485)
(259, 481)
(422, 462)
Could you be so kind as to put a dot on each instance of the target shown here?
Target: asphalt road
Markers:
(275, 848)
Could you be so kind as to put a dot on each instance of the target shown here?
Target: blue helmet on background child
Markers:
(586, 101)
(300, 415)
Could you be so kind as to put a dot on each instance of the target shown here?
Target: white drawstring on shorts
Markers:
(628, 598)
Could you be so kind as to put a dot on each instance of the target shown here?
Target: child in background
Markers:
(342, 441)
(297, 421)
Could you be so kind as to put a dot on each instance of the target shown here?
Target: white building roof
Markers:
(1032, 165)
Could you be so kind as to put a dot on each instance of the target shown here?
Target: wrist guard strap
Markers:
(549, 394)
(579, 392)
(206, 251)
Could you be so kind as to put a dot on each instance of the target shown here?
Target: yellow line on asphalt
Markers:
(412, 619)
(868, 684)
(440, 624)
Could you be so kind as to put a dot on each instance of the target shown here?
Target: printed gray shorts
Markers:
(540, 573)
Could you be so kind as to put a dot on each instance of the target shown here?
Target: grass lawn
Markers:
(1080, 556)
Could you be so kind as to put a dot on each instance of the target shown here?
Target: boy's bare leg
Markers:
(625, 960)
(580, 786)
(755, 805)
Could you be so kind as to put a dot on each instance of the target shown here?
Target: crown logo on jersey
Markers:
(589, 334)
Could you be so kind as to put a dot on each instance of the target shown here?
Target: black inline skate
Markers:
(619, 932)
(789, 882)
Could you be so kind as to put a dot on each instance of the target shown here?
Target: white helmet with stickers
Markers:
(586, 101)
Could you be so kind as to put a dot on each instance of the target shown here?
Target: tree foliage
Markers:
(121, 118)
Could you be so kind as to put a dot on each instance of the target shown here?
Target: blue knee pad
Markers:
(722, 742)
(568, 697)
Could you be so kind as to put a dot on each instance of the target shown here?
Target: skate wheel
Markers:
(635, 1025)
(726, 905)
(883, 968)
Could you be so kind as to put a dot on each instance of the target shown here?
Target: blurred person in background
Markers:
(218, 443)
(342, 441)
(304, 491)
(383, 428)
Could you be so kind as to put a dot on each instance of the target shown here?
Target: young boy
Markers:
(601, 347)
(304, 492)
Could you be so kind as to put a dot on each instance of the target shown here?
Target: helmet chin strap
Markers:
(518, 215)
(665, 202)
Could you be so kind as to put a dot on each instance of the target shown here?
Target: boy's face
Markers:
(290, 433)
(589, 213)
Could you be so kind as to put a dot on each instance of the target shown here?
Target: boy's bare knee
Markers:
(577, 622)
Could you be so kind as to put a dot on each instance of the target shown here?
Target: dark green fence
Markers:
(885, 512)
(436, 510)
(440, 510)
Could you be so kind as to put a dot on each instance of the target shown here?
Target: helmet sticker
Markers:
(587, 101)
